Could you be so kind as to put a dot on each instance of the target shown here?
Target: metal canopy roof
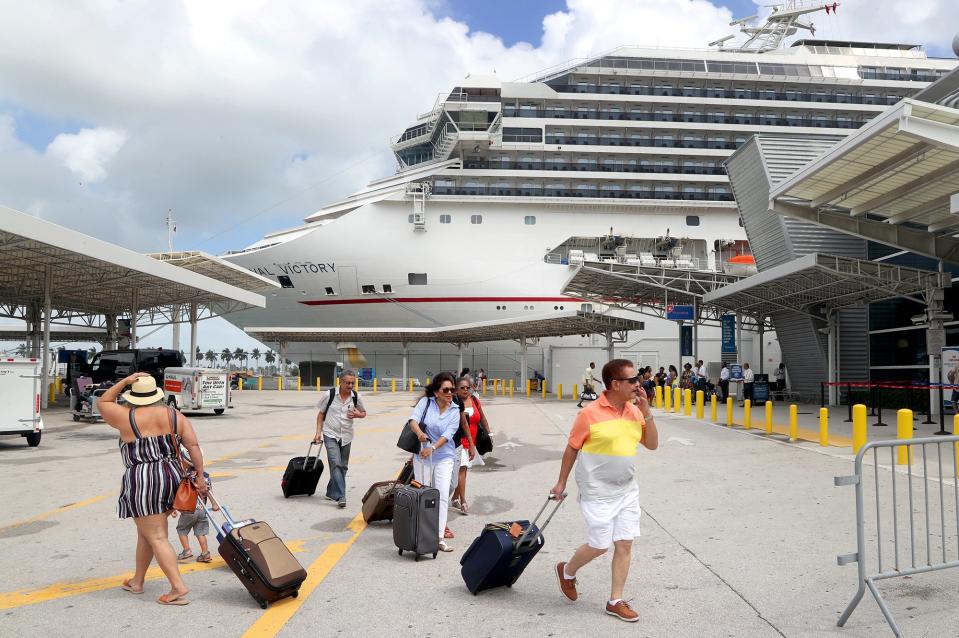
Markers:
(216, 268)
(536, 326)
(92, 277)
(900, 168)
(646, 289)
(817, 284)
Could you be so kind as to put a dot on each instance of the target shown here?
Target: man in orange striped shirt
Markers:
(605, 438)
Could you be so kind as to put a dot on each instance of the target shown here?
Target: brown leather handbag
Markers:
(186, 494)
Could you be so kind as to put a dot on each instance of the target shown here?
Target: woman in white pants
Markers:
(435, 420)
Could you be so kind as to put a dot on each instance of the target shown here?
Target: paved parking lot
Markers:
(739, 537)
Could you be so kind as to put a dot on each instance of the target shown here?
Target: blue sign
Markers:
(686, 340)
(679, 313)
(729, 334)
(735, 372)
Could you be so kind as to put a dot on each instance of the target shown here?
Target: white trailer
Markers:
(20, 398)
(197, 389)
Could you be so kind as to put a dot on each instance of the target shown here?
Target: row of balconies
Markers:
(608, 166)
(702, 118)
(714, 194)
(826, 97)
(592, 140)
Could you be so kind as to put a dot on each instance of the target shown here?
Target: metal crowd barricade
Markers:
(905, 565)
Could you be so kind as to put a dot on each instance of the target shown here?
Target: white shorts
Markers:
(465, 459)
(610, 521)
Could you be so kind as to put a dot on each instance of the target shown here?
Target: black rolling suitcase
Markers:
(416, 518)
(258, 557)
(501, 552)
(302, 474)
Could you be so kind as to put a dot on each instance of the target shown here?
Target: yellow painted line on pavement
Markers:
(275, 618)
(66, 589)
(53, 512)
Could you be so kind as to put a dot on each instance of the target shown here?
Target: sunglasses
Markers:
(464, 387)
(635, 379)
(446, 390)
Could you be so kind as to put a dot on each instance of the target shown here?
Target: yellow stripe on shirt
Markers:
(616, 437)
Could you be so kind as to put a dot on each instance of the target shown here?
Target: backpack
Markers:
(329, 402)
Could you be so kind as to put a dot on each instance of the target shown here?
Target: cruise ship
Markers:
(502, 187)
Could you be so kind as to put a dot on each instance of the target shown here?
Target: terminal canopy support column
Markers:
(283, 345)
(45, 347)
(762, 338)
(111, 343)
(609, 346)
(193, 355)
(176, 314)
(831, 355)
(523, 365)
(134, 311)
(405, 363)
(459, 364)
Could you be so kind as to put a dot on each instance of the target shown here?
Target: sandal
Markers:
(165, 599)
(464, 510)
(126, 586)
(448, 534)
(184, 555)
(204, 558)
(455, 503)
(443, 547)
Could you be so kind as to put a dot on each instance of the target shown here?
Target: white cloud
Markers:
(88, 152)
(262, 111)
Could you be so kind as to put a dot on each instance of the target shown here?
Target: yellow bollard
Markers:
(299, 384)
(824, 427)
(859, 427)
(428, 381)
(52, 391)
(394, 386)
(769, 417)
(700, 404)
(667, 399)
(58, 384)
(318, 386)
(729, 411)
(658, 390)
(375, 384)
(411, 385)
(279, 383)
(688, 402)
(903, 431)
(484, 387)
(955, 432)
(559, 391)
(529, 388)
(677, 400)
(336, 383)
(713, 414)
(510, 388)
(575, 392)
(793, 422)
(259, 382)
(239, 383)
(542, 384)
(747, 414)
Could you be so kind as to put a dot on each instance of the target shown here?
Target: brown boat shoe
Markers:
(622, 610)
(566, 585)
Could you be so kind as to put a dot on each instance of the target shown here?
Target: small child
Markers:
(200, 524)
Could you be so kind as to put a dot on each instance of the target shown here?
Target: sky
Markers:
(245, 116)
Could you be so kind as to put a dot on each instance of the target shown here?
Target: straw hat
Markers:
(144, 391)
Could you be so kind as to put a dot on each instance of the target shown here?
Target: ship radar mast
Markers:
(782, 22)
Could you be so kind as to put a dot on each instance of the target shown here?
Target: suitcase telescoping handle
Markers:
(310, 449)
(224, 512)
(549, 498)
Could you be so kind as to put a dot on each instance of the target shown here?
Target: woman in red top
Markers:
(475, 417)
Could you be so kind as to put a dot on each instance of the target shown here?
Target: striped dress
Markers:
(152, 474)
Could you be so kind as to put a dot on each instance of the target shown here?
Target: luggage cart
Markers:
(83, 399)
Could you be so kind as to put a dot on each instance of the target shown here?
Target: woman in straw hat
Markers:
(150, 434)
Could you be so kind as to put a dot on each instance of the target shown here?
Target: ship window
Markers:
(445, 219)
(476, 219)
(368, 289)
(285, 281)
(416, 278)
(409, 218)
(329, 291)
(586, 307)
(529, 220)
(387, 288)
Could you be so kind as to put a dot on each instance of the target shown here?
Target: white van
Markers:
(197, 389)
(20, 398)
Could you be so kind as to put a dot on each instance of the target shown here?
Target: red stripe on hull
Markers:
(343, 302)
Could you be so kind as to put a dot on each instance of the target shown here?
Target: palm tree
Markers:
(240, 355)
(270, 358)
(21, 350)
(199, 355)
(256, 356)
(211, 357)
(226, 355)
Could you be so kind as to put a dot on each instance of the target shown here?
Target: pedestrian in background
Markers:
(334, 429)
(724, 381)
(748, 378)
(602, 445)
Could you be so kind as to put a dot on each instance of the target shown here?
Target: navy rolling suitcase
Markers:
(302, 474)
(498, 557)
